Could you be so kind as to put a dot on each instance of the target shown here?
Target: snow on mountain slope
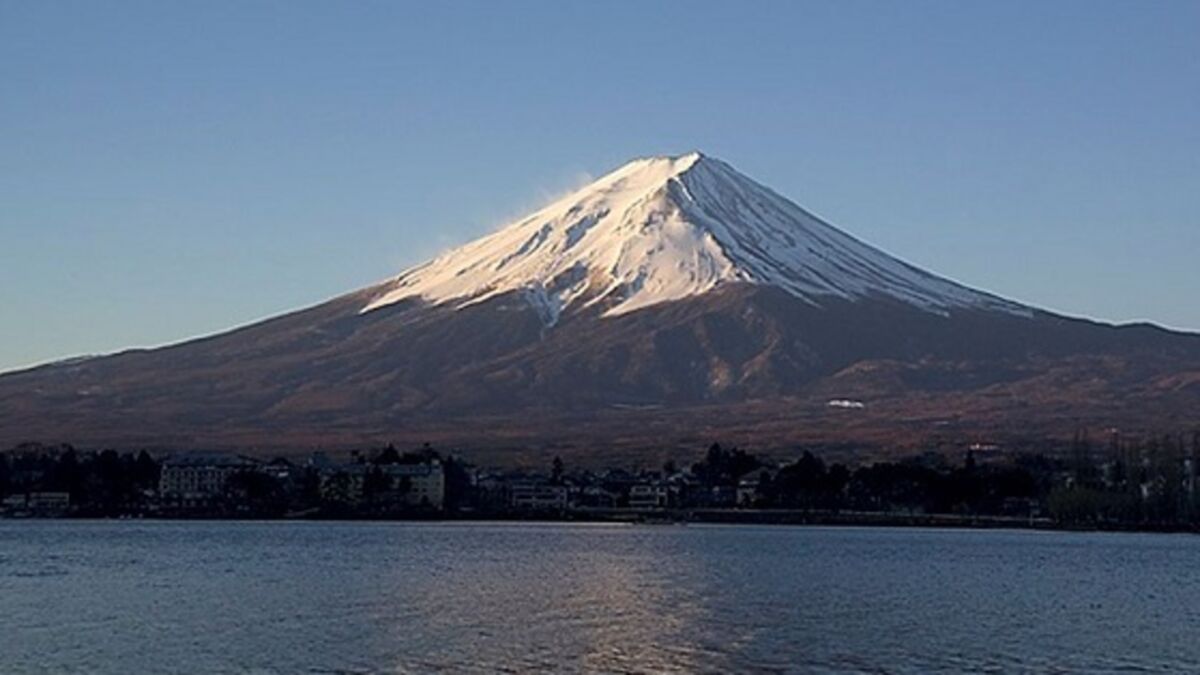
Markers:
(666, 228)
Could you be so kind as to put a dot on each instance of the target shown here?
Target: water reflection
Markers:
(530, 598)
(357, 597)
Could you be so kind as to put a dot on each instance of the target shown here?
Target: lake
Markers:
(316, 597)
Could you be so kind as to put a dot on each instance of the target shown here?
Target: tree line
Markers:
(1151, 482)
(105, 483)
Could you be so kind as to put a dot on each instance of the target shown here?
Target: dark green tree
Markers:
(388, 455)
(458, 484)
(5, 475)
(66, 475)
(146, 471)
(376, 482)
(337, 489)
(257, 492)
(556, 471)
(310, 487)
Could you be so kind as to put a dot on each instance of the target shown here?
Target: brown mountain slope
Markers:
(749, 363)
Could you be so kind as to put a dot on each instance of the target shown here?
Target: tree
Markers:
(388, 455)
(723, 468)
(1083, 467)
(337, 489)
(762, 493)
(1193, 476)
(66, 475)
(376, 482)
(110, 480)
(310, 486)
(145, 471)
(458, 483)
(836, 480)
(806, 483)
(257, 491)
(5, 475)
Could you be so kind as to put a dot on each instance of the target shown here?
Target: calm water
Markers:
(122, 597)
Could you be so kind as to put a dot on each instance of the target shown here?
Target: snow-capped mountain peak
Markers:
(665, 228)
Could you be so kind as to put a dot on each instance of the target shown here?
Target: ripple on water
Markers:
(387, 598)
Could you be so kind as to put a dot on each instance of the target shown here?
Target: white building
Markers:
(747, 491)
(421, 484)
(38, 503)
(50, 502)
(426, 482)
(197, 478)
(649, 496)
(535, 495)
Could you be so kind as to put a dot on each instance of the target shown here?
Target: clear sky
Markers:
(170, 169)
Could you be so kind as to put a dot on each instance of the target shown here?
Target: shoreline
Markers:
(675, 517)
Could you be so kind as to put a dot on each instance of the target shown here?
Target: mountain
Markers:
(664, 229)
(668, 303)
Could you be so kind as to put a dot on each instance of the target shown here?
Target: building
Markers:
(491, 491)
(715, 497)
(649, 496)
(533, 495)
(38, 503)
(49, 502)
(751, 488)
(281, 470)
(196, 479)
(421, 484)
(592, 497)
(748, 491)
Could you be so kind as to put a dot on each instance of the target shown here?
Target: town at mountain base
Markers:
(1119, 484)
(669, 302)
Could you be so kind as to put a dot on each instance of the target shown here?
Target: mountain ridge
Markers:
(746, 338)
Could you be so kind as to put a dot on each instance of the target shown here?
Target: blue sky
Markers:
(174, 169)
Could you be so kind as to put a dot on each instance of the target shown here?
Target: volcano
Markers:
(672, 302)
